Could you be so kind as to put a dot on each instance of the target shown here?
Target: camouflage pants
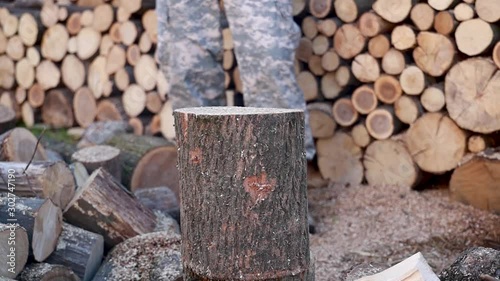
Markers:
(265, 38)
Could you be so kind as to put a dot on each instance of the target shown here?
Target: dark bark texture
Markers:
(243, 193)
(472, 264)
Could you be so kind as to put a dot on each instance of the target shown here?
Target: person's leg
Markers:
(265, 38)
(190, 51)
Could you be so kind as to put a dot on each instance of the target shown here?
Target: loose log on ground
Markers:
(84, 107)
(330, 88)
(382, 123)
(471, 95)
(258, 187)
(47, 272)
(488, 10)
(360, 135)
(364, 99)
(348, 41)
(436, 143)
(393, 10)
(339, 159)
(393, 62)
(73, 72)
(433, 99)
(444, 22)
(422, 16)
(102, 196)
(378, 46)
(18, 145)
(95, 157)
(12, 267)
(413, 80)
(473, 263)
(365, 68)
(7, 119)
(475, 36)
(321, 120)
(160, 258)
(57, 109)
(349, 10)
(387, 89)
(79, 250)
(408, 109)
(371, 24)
(38, 180)
(434, 54)
(344, 112)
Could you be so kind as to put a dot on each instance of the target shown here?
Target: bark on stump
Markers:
(473, 263)
(236, 197)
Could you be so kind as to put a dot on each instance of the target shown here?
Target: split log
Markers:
(473, 263)
(308, 84)
(348, 41)
(432, 99)
(488, 10)
(47, 272)
(393, 62)
(48, 75)
(97, 76)
(88, 41)
(330, 88)
(101, 196)
(257, 197)
(18, 145)
(441, 5)
(134, 100)
(422, 16)
(7, 69)
(382, 123)
(328, 27)
(330, 61)
(115, 60)
(392, 10)
(146, 72)
(7, 119)
(38, 180)
(464, 11)
(320, 8)
(365, 68)
(344, 112)
(73, 72)
(100, 156)
(388, 162)
(371, 24)
(408, 109)
(349, 10)
(160, 258)
(433, 60)
(378, 46)
(412, 268)
(413, 80)
(387, 89)
(57, 109)
(321, 120)
(464, 84)
(111, 109)
(339, 159)
(13, 261)
(25, 73)
(55, 42)
(364, 99)
(79, 250)
(84, 107)
(436, 143)
(161, 199)
(476, 36)
(360, 135)
(403, 37)
(445, 23)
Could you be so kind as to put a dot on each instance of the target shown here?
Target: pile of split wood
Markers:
(399, 90)
(76, 220)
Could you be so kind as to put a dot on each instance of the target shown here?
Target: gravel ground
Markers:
(384, 225)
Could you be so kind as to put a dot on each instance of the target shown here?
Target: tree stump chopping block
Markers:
(243, 194)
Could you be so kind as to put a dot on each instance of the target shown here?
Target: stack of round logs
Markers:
(400, 91)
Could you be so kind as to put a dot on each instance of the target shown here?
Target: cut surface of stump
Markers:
(388, 162)
(97, 156)
(436, 143)
(471, 89)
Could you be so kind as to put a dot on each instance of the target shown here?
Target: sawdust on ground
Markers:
(384, 225)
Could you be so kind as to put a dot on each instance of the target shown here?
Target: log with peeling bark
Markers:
(257, 186)
(102, 195)
(339, 159)
(436, 143)
(364, 99)
(13, 262)
(19, 145)
(79, 250)
(57, 109)
(321, 120)
(38, 180)
(47, 272)
(100, 156)
(382, 123)
(464, 84)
